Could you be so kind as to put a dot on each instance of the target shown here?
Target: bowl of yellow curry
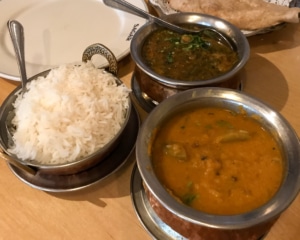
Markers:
(168, 62)
(217, 163)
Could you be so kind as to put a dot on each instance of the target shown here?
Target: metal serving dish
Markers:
(158, 87)
(187, 221)
(71, 167)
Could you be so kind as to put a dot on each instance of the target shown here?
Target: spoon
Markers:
(128, 7)
(17, 36)
(20, 166)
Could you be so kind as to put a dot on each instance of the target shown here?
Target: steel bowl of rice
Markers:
(69, 118)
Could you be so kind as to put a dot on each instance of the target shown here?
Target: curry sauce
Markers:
(187, 57)
(217, 161)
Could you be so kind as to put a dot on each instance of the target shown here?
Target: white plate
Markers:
(163, 7)
(58, 31)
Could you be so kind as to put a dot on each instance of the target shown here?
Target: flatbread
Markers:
(245, 14)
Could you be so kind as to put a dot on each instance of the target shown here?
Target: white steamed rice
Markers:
(68, 114)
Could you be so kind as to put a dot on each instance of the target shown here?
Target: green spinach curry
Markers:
(187, 57)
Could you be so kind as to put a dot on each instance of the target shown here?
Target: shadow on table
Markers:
(263, 80)
(282, 39)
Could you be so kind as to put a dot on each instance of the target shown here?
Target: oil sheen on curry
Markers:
(187, 57)
(217, 161)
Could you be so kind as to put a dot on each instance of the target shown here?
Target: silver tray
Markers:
(163, 8)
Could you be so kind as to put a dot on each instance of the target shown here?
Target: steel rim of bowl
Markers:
(202, 19)
(281, 200)
(6, 106)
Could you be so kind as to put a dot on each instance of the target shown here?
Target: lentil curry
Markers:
(187, 57)
(217, 161)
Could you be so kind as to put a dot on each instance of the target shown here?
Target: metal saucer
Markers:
(145, 101)
(148, 218)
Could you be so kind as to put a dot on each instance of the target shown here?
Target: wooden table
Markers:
(105, 211)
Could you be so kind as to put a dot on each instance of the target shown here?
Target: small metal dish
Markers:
(158, 87)
(6, 116)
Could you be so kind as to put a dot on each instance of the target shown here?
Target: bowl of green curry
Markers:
(168, 62)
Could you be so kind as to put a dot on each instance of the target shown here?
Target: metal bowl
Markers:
(6, 115)
(158, 87)
(181, 217)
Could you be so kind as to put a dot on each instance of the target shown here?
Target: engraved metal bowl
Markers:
(70, 167)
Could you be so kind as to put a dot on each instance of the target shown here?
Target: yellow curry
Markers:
(217, 161)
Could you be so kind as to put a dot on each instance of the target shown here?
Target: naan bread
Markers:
(245, 14)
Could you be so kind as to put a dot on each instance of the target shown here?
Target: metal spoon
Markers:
(128, 7)
(20, 166)
(17, 36)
